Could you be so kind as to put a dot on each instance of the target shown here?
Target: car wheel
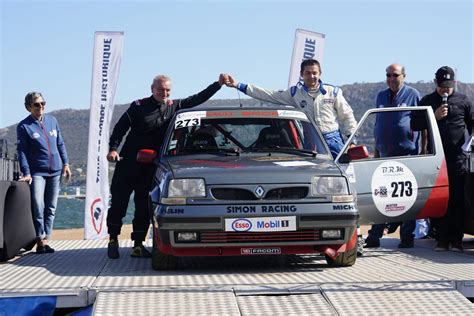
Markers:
(160, 261)
(345, 259)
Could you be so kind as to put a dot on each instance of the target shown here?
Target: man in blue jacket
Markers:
(43, 158)
(394, 137)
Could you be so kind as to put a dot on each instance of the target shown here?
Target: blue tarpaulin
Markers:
(26, 306)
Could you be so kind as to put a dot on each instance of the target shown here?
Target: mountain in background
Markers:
(75, 123)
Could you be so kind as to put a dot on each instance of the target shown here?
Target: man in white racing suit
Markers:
(322, 102)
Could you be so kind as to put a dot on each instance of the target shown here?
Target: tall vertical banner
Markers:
(307, 45)
(107, 58)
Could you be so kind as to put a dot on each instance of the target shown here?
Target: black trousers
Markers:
(450, 228)
(130, 177)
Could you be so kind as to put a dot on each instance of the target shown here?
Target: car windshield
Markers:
(230, 132)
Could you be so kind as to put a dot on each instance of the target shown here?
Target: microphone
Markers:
(445, 99)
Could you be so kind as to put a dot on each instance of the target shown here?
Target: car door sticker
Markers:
(189, 119)
(349, 170)
(394, 188)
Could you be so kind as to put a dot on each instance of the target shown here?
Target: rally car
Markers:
(247, 181)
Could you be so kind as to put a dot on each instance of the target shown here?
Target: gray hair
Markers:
(160, 78)
(30, 97)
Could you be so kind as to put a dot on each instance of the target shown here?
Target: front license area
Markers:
(261, 224)
(260, 251)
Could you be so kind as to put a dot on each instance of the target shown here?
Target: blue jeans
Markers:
(334, 141)
(406, 231)
(44, 199)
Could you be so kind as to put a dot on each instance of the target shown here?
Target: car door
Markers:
(397, 186)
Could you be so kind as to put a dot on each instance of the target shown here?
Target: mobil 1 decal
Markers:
(394, 188)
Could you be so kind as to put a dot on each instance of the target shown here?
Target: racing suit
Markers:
(452, 129)
(394, 137)
(147, 122)
(327, 108)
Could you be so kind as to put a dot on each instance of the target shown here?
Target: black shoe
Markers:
(40, 250)
(372, 243)
(442, 246)
(140, 252)
(113, 249)
(406, 244)
(48, 249)
(457, 246)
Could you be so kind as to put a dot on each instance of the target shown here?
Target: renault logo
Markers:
(259, 192)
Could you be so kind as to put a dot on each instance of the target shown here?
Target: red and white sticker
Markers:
(394, 188)
(261, 224)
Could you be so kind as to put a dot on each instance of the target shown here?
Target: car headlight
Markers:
(329, 186)
(187, 188)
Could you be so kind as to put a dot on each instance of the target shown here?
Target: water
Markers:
(70, 213)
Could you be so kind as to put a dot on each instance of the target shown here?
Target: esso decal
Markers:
(241, 225)
(394, 188)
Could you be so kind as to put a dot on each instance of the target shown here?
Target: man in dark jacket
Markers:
(454, 115)
(146, 121)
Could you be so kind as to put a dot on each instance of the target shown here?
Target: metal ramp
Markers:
(384, 281)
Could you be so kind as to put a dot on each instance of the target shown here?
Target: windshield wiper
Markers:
(284, 150)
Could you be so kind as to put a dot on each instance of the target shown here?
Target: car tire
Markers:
(345, 259)
(160, 261)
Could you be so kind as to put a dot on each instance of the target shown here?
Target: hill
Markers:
(75, 123)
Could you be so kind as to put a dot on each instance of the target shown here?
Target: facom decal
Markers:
(292, 114)
(260, 251)
(189, 119)
(394, 188)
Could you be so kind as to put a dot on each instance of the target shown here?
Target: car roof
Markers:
(258, 106)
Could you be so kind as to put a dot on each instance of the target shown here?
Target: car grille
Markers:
(290, 193)
(250, 237)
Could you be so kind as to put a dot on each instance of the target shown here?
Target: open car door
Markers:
(399, 186)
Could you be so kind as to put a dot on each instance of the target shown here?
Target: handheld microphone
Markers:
(445, 99)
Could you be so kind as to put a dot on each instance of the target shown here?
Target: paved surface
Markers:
(384, 281)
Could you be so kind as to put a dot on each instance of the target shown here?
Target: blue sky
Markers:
(47, 45)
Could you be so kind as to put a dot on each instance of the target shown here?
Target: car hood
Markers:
(252, 168)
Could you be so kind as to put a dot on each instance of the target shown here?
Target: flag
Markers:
(307, 45)
(107, 57)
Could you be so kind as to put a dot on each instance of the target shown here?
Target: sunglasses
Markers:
(393, 75)
(39, 104)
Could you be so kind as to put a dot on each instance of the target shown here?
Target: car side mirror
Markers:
(357, 152)
(146, 156)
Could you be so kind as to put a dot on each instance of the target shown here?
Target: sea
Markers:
(70, 213)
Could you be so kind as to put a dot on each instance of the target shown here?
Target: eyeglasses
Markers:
(39, 104)
(393, 75)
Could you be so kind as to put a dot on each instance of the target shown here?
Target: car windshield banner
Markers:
(107, 58)
(307, 45)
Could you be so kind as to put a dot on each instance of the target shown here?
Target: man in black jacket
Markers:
(454, 117)
(146, 121)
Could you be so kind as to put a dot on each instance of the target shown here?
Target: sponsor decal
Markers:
(174, 211)
(35, 135)
(294, 163)
(328, 101)
(261, 209)
(241, 225)
(260, 251)
(261, 224)
(53, 133)
(292, 114)
(343, 207)
(394, 188)
(97, 214)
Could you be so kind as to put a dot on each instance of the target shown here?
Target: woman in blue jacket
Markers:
(43, 158)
